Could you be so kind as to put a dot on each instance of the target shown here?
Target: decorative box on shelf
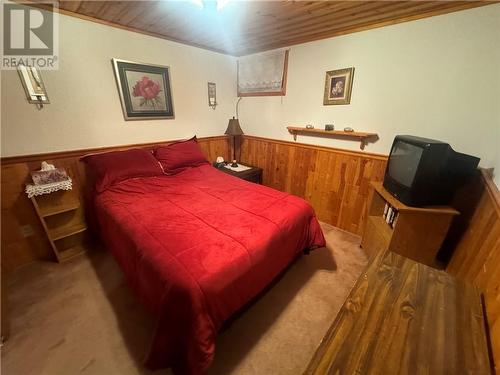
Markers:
(58, 207)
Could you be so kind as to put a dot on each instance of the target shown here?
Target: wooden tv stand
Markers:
(416, 233)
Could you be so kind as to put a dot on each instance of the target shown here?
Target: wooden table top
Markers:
(403, 317)
(252, 170)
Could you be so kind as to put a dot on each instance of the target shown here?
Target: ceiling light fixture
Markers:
(219, 3)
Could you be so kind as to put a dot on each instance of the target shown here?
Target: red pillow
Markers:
(179, 156)
(112, 167)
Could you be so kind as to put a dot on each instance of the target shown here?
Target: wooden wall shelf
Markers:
(62, 219)
(58, 208)
(363, 137)
(66, 231)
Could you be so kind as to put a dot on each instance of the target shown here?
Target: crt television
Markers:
(425, 172)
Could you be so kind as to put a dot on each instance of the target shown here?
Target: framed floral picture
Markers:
(144, 89)
(338, 86)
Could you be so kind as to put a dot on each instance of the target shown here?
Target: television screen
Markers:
(403, 162)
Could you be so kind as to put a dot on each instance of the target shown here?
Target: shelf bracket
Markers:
(293, 133)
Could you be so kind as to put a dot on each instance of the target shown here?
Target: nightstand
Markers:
(63, 220)
(254, 174)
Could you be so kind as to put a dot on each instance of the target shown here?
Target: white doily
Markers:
(239, 168)
(33, 190)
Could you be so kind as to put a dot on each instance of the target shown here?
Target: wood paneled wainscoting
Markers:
(23, 238)
(477, 257)
(336, 182)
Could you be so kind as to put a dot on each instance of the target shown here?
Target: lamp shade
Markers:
(233, 127)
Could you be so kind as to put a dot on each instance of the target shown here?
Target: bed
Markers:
(196, 246)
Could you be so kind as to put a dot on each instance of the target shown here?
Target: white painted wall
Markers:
(438, 78)
(85, 109)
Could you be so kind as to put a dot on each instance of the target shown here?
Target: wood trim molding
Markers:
(320, 148)
(73, 153)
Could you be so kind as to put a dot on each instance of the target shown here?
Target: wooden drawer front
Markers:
(253, 177)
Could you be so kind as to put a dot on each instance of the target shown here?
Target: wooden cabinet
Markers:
(63, 220)
(416, 233)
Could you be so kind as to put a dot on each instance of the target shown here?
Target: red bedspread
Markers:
(196, 247)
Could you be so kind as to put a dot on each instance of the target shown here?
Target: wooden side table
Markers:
(416, 233)
(254, 174)
(63, 220)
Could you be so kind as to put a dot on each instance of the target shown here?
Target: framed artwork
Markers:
(144, 89)
(338, 86)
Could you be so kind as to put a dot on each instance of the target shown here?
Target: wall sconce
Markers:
(212, 101)
(33, 85)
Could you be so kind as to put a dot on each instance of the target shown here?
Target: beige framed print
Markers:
(338, 86)
(144, 89)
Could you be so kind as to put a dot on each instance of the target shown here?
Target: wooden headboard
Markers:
(23, 238)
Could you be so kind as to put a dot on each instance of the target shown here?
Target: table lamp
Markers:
(234, 129)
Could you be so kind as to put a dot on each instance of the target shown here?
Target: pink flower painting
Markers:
(145, 91)
(148, 90)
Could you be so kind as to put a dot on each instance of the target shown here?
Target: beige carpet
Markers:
(80, 317)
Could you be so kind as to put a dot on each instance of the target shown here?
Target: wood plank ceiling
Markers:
(245, 27)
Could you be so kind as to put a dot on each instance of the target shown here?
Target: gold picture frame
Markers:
(338, 86)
